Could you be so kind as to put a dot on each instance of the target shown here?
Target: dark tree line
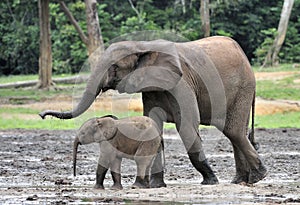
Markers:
(252, 23)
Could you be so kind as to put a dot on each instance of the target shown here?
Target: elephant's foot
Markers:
(257, 174)
(209, 178)
(210, 181)
(140, 184)
(239, 179)
(157, 180)
(117, 187)
(98, 186)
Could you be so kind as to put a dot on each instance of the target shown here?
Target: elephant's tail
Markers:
(251, 133)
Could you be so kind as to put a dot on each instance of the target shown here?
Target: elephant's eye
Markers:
(115, 67)
(113, 70)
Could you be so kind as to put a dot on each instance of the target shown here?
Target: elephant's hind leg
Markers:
(242, 167)
(142, 179)
(249, 167)
(157, 173)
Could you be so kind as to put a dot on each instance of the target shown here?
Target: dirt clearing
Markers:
(36, 168)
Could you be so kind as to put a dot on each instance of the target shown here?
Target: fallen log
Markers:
(31, 83)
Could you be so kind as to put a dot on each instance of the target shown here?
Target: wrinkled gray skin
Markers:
(136, 138)
(208, 81)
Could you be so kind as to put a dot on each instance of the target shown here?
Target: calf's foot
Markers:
(98, 186)
(140, 184)
(157, 180)
(117, 187)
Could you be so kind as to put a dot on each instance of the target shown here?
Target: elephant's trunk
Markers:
(75, 147)
(85, 102)
(93, 88)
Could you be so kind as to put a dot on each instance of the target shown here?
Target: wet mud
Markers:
(36, 168)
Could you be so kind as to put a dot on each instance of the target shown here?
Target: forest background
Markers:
(253, 24)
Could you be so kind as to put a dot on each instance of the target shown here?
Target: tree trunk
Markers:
(272, 56)
(95, 46)
(45, 59)
(205, 21)
(93, 41)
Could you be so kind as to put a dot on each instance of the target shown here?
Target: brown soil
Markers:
(36, 168)
(274, 75)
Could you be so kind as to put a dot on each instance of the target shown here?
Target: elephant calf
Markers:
(136, 138)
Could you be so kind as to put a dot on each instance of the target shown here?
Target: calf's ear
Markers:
(107, 128)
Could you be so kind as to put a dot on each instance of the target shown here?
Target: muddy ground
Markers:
(36, 168)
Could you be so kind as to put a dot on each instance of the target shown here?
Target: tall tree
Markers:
(94, 39)
(272, 55)
(45, 59)
(205, 21)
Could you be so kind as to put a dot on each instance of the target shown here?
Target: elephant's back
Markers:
(222, 54)
(139, 128)
(218, 71)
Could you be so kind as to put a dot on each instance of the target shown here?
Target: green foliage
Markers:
(69, 52)
(19, 36)
(251, 23)
(291, 48)
(279, 89)
(263, 49)
(279, 120)
(25, 118)
(135, 23)
(244, 20)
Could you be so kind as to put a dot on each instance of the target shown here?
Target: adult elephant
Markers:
(207, 82)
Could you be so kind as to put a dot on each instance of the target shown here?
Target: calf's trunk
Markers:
(75, 147)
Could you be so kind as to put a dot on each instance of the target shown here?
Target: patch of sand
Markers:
(268, 107)
(114, 105)
(274, 75)
(113, 102)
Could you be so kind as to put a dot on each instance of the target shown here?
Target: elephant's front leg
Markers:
(116, 173)
(193, 145)
(100, 175)
(103, 165)
(159, 116)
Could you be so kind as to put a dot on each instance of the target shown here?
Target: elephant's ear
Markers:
(107, 127)
(158, 68)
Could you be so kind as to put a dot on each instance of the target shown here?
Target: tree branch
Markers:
(10, 11)
(83, 37)
(135, 10)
